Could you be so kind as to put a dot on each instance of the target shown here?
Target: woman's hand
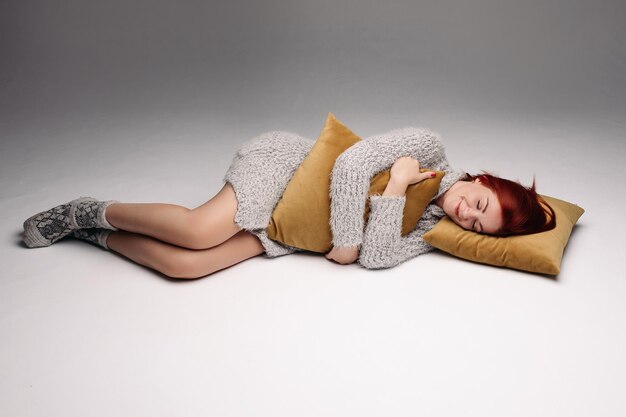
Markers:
(344, 255)
(407, 170)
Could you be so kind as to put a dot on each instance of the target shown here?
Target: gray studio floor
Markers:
(84, 331)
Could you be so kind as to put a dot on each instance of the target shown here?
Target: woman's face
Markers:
(473, 206)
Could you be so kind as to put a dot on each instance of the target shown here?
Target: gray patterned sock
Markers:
(45, 228)
(96, 236)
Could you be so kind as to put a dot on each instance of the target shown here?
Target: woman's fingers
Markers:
(421, 176)
(408, 168)
(344, 255)
(427, 175)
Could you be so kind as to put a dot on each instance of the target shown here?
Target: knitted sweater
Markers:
(263, 167)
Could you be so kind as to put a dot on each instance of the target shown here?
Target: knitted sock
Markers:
(96, 236)
(45, 228)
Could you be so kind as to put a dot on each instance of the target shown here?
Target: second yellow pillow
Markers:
(538, 252)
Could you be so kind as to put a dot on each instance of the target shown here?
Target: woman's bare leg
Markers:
(203, 227)
(177, 262)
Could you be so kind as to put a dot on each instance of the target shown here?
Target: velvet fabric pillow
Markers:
(301, 218)
(539, 252)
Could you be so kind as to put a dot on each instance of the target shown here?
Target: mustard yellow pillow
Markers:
(302, 217)
(539, 252)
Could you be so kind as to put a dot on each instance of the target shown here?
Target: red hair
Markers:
(523, 210)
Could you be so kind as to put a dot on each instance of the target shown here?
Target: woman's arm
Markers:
(383, 244)
(404, 172)
(354, 168)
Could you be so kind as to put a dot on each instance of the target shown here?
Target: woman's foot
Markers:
(96, 236)
(45, 228)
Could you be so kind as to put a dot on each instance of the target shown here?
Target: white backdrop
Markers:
(147, 101)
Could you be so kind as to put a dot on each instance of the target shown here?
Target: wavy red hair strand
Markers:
(523, 210)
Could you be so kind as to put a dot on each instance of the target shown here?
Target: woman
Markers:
(230, 227)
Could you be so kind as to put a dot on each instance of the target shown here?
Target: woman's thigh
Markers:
(214, 221)
(195, 264)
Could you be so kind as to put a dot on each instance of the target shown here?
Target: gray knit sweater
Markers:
(264, 165)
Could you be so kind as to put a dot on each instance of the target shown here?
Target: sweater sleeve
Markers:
(354, 168)
(383, 244)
